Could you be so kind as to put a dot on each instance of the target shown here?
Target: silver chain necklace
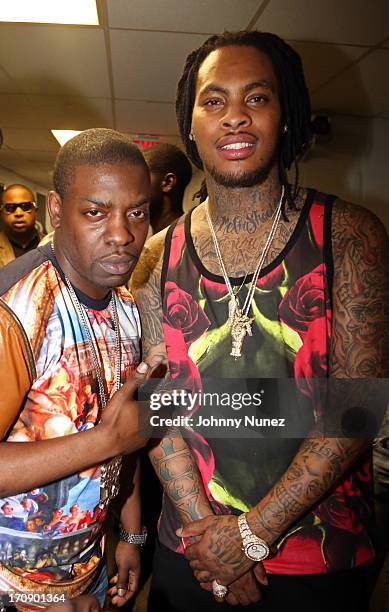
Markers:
(110, 471)
(238, 318)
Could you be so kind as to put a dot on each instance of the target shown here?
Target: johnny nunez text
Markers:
(212, 421)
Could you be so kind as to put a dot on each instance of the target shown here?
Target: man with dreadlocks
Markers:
(261, 285)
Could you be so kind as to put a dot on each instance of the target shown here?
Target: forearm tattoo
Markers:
(176, 469)
(317, 466)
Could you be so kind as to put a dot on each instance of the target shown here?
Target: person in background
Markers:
(170, 172)
(18, 215)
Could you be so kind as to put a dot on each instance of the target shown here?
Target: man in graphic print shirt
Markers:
(50, 378)
(269, 520)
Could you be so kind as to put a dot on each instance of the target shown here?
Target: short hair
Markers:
(92, 148)
(164, 158)
(18, 186)
(292, 89)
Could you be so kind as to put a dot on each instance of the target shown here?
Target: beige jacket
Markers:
(6, 250)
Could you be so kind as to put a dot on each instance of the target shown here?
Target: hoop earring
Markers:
(191, 136)
(285, 129)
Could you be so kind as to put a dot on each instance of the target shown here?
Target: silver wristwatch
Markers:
(253, 547)
(133, 538)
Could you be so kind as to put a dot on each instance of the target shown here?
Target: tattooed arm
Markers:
(360, 350)
(360, 345)
(360, 294)
(172, 460)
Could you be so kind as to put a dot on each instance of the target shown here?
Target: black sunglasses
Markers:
(10, 209)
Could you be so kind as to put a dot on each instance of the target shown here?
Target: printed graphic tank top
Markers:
(248, 416)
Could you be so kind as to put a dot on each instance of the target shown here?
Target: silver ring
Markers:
(121, 591)
(219, 590)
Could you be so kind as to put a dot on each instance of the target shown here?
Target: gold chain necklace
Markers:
(238, 318)
(110, 471)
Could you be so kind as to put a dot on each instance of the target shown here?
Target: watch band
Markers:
(244, 528)
(249, 539)
(133, 538)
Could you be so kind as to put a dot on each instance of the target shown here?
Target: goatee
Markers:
(240, 180)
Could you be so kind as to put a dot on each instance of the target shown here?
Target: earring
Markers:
(191, 136)
(285, 129)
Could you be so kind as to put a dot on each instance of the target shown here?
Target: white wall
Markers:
(7, 177)
(354, 165)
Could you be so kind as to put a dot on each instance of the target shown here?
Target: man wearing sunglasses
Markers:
(18, 216)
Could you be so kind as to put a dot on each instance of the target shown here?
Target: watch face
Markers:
(257, 551)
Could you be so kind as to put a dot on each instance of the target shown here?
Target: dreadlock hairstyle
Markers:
(292, 91)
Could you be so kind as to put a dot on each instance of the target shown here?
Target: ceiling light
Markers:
(62, 136)
(82, 12)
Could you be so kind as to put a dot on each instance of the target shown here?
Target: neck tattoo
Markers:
(238, 318)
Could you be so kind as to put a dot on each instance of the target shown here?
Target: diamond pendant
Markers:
(241, 326)
(109, 480)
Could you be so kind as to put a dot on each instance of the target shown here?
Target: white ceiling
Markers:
(123, 74)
